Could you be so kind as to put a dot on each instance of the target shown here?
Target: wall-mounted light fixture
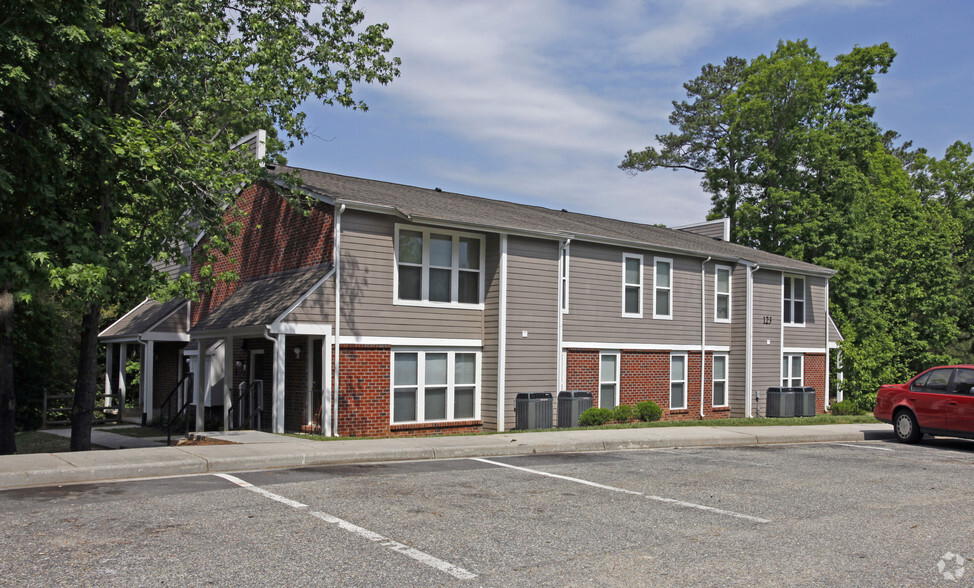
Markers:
(297, 352)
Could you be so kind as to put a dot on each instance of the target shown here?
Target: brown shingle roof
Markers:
(142, 318)
(433, 205)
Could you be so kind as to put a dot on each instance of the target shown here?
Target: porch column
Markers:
(227, 380)
(326, 386)
(109, 365)
(201, 383)
(122, 360)
(277, 408)
(148, 370)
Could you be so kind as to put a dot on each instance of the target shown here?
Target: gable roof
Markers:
(142, 319)
(435, 206)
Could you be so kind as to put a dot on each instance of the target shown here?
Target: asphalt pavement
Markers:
(253, 450)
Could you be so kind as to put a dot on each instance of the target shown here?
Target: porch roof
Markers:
(261, 301)
(142, 319)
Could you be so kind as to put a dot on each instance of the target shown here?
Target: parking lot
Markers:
(870, 514)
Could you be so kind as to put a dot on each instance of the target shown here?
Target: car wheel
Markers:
(906, 427)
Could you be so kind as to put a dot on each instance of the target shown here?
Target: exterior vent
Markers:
(532, 410)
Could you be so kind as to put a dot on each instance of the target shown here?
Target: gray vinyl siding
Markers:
(813, 334)
(532, 307)
(767, 337)
(175, 268)
(737, 361)
(488, 367)
(367, 271)
(176, 322)
(714, 230)
(318, 307)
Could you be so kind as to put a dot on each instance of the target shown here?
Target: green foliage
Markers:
(593, 417)
(649, 411)
(844, 407)
(623, 413)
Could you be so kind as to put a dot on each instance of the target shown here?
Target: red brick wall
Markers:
(274, 237)
(814, 375)
(166, 367)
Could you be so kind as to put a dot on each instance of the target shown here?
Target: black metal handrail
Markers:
(168, 403)
(250, 412)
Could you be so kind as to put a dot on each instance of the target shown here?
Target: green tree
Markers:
(161, 94)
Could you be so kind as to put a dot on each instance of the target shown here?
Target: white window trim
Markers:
(565, 264)
(421, 385)
(686, 371)
(801, 375)
(455, 269)
(657, 288)
(718, 293)
(804, 300)
(640, 285)
(714, 380)
(615, 382)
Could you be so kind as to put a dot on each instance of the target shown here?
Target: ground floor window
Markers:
(435, 386)
(678, 381)
(791, 371)
(608, 380)
(720, 380)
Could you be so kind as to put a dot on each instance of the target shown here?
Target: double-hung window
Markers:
(791, 371)
(794, 301)
(678, 381)
(632, 285)
(719, 377)
(608, 380)
(435, 386)
(663, 289)
(438, 267)
(722, 294)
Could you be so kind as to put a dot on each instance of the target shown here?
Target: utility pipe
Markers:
(337, 258)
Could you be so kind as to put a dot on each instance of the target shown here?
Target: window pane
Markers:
(406, 369)
(607, 395)
(410, 282)
(787, 288)
(796, 366)
(404, 405)
(799, 289)
(723, 306)
(440, 285)
(435, 404)
(719, 397)
(662, 274)
(720, 367)
(677, 367)
(469, 287)
(410, 247)
(632, 271)
(787, 310)
(608, 371)
(663, 302)
(463, 403)
(937, 382)
(632, 300)
(723, 281)
(963, 381)
(435, 369)
(441, 250)
(466, 369)
(785, 367)
(676, 395)
(799, 311)
(469, 253)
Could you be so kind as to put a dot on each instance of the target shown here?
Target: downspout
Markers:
(502, 338)
(703, 327)
(336, 256)
(749, 340)
(560, 369)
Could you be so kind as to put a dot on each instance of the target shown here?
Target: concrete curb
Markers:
(259, 451)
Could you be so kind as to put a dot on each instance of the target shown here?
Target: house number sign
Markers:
(768, 320)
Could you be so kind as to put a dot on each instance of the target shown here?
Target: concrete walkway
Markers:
(255, 451)
(104, 437)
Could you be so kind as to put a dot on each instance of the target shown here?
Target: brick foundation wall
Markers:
(274, 237)
(814, 375)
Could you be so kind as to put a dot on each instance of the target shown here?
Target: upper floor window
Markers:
(722, 294)
(632, 285)
(794, 300)
(663, 289)
(439, 266)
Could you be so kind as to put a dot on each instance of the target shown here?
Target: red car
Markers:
(939, 401)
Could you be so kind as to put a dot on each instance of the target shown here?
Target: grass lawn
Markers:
(41, 442)
(822, 419)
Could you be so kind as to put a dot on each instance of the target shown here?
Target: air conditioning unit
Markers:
(533, 410)
(780, 402)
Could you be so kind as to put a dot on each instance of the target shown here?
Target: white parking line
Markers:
(682, 503)
(421, 557)
(865, 447)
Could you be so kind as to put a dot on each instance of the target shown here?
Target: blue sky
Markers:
(537, 101)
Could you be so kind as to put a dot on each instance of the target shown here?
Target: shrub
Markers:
(594, 417)
(844, 407)
(623, 413)
(648, 411)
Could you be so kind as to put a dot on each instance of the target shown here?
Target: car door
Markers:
(960, 406)
(928, 396)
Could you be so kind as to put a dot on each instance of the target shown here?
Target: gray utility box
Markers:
(532, 410)
(571, 404)
(791, 402)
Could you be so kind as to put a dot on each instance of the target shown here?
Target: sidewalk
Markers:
(256, 451)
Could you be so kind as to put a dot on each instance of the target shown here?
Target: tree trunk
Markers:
(87, 384)
(8, 443)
